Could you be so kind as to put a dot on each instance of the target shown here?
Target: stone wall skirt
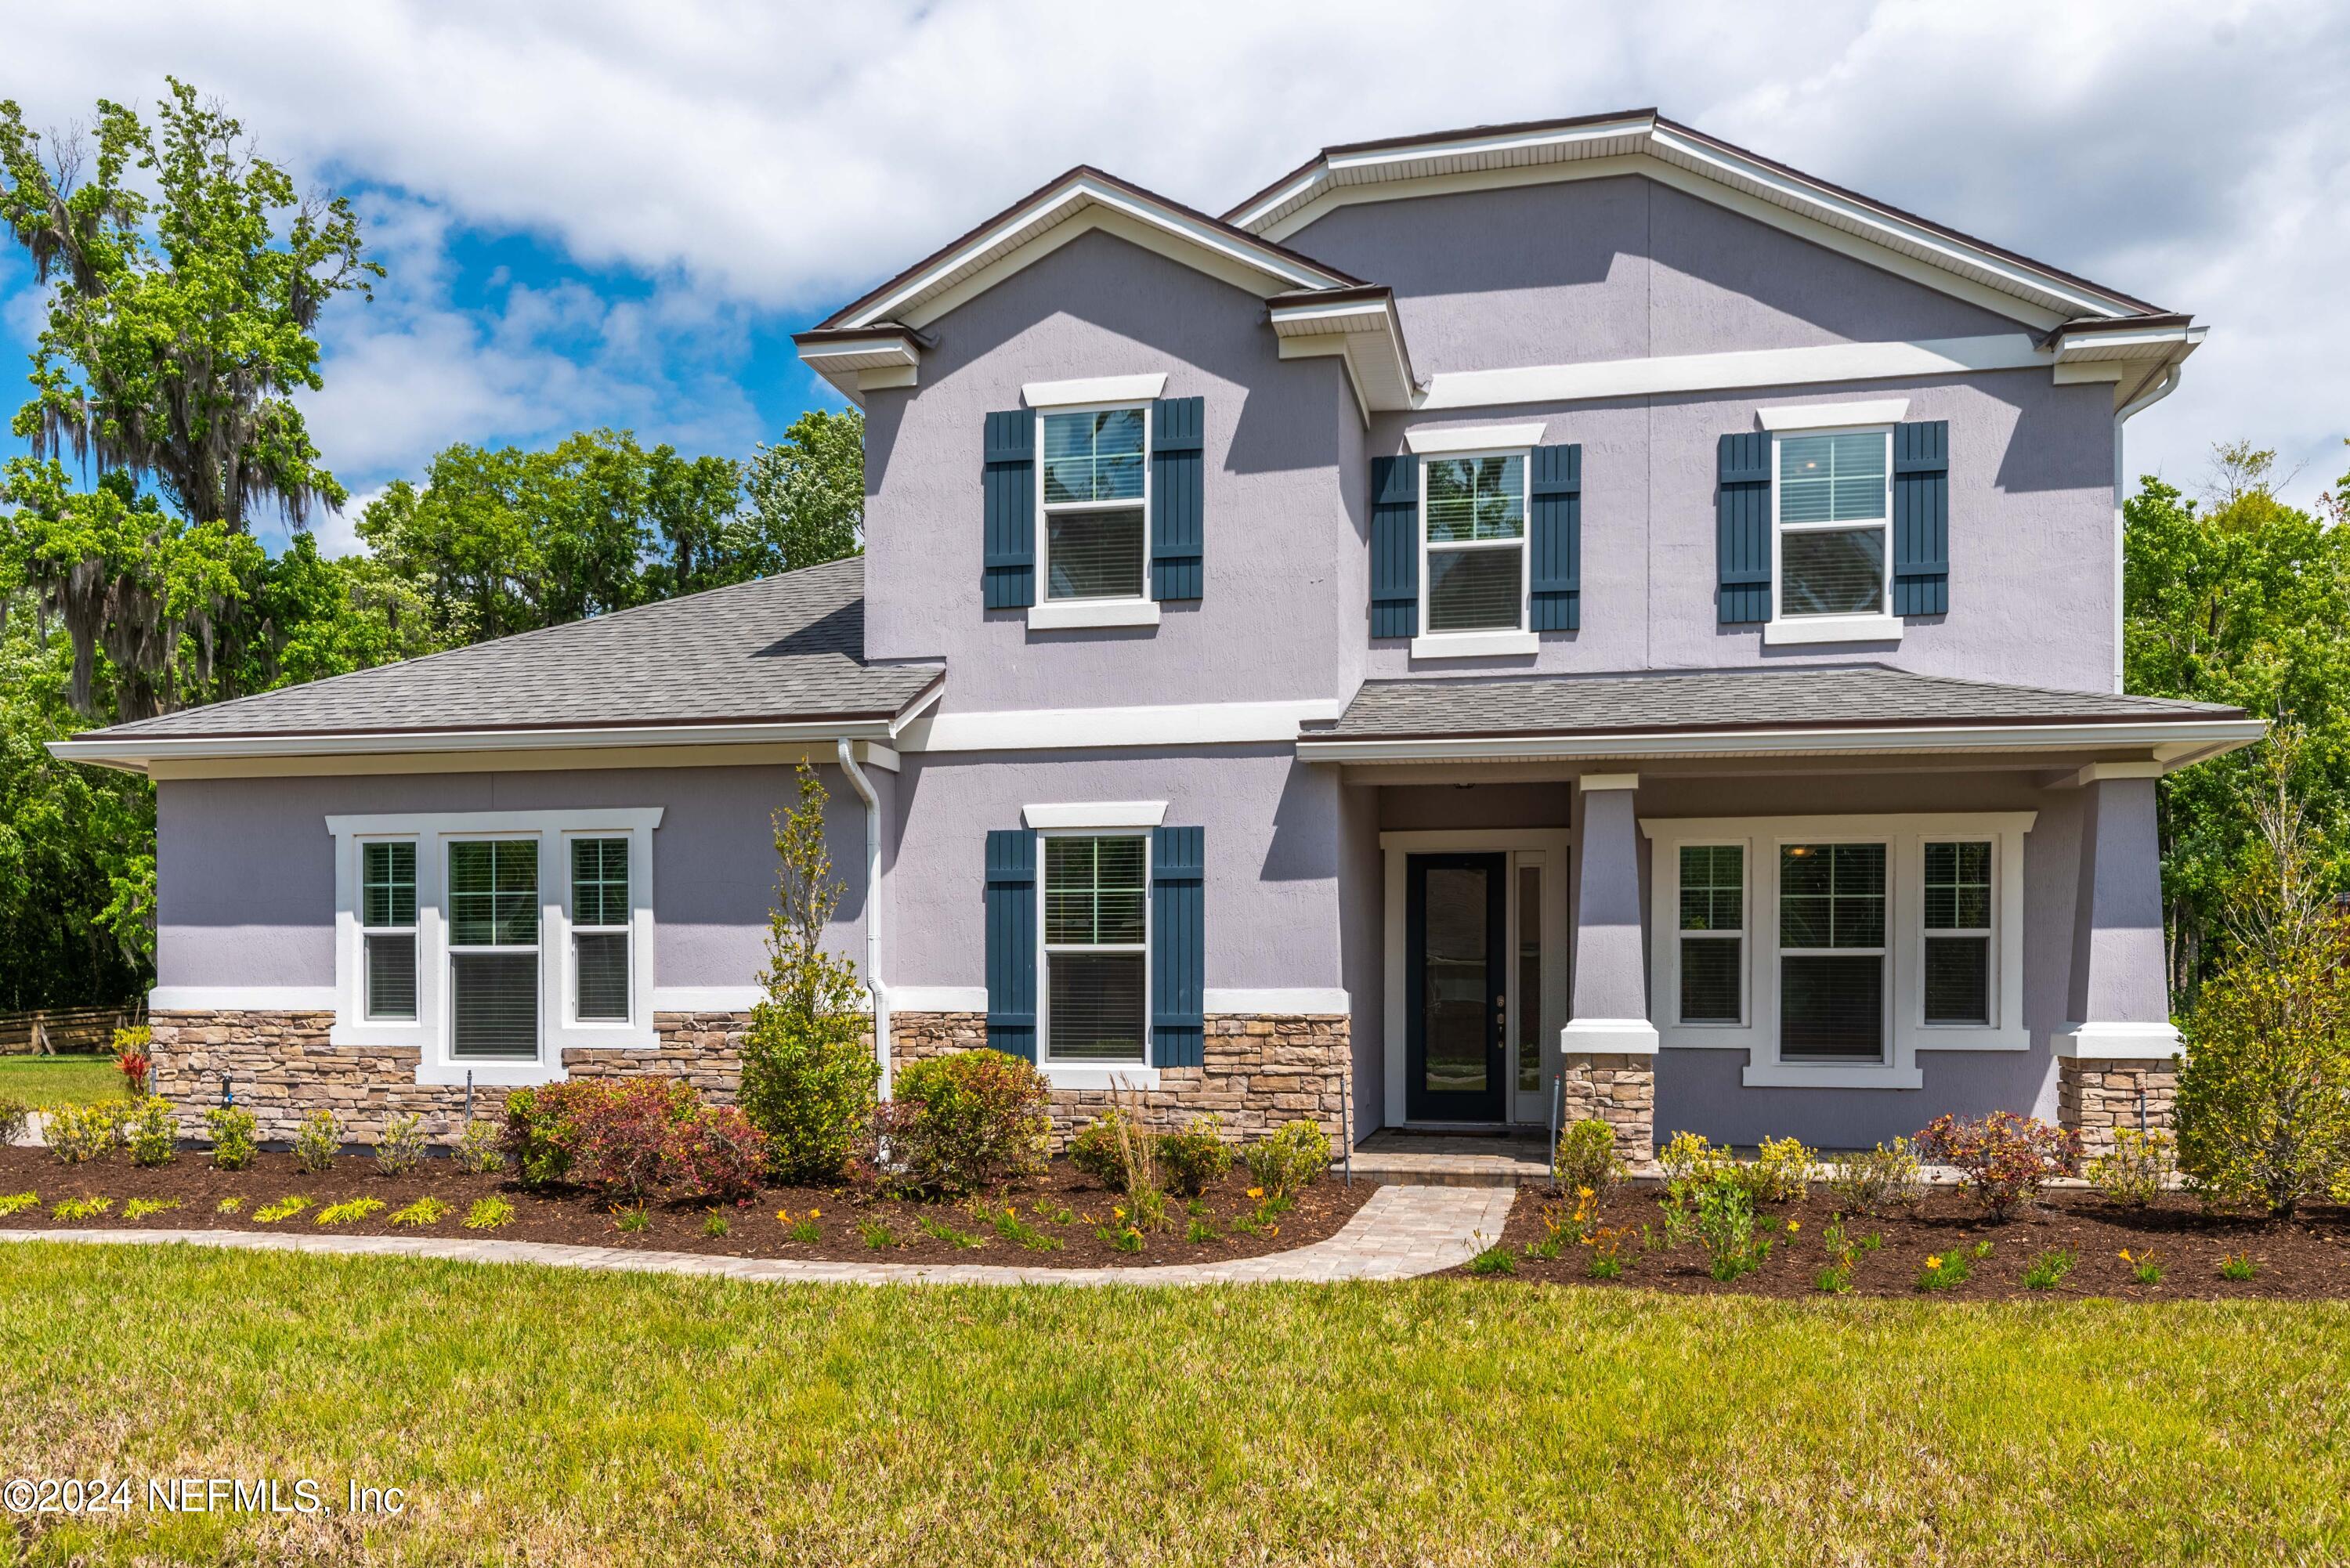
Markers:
(2096, 1095)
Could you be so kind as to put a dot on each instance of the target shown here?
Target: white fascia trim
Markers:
(906, 999)
(1099, 1079)
(1800, 630)
(1733, 370)
(1071, 614)
(446, 824)
(2224, 734)
(1475, 645)
(1139, 388)
(1833, 416)
(1476, 437)
(1281, 1001)
(1590, 784)
(1064, 729)
(2119, 1042)
(1057, 209)
(707, 998)
(138, 752)
(882, 351)
(241, 998)
(1608, 1037)
(1097, 814)
(1323, 173)
(2097, 772)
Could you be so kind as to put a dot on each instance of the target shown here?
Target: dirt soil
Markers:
(1061, 1209)
(2307, 1256)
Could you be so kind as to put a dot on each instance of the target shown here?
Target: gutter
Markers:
(864, 788)
(2168, 384)
(2198, 738)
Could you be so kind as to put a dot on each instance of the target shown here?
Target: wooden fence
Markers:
(49, 1029)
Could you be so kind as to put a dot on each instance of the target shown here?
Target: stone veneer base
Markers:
(1259, 1072)
(2095, 1096)
(1620, 1090)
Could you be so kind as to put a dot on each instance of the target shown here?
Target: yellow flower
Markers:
(1257, 1192)
(1119, 1212)
(2125, 1256)
(1795, 1225)
(785, 1215)
(1933, 1261)
(1583, 1192)
(815, 1213)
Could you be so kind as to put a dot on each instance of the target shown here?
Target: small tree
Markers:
(2264, 1092)
(808, 1078)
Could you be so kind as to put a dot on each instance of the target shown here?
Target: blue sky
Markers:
(598, 212)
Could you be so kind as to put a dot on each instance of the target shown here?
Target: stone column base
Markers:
(1620, 1090)
(2096, 1094)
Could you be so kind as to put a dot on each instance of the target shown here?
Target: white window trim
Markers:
(1096, 813)
(1880, 625)
(1063, 396)
(1834, 416)
(570, 956)
(1485, 641)
(1905, 837)
(1049, 614)
(429, 1034)
(1081, 1074)
(410, 930)
(1668, 1001)
(1475, 439)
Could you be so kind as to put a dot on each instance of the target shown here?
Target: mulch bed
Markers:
(2306, 1257)
(582, 1218)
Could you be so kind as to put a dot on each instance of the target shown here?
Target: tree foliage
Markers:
(807, 492)
(2244, 600)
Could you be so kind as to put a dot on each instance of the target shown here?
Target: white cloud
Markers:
(775, 160)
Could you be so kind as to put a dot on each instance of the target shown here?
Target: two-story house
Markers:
(1569, 616)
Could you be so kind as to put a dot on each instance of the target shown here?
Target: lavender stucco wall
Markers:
(1616, 268)
(244, 874)
(1271, 826)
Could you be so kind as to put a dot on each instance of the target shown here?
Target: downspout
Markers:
(2168, 384)
(864, 788)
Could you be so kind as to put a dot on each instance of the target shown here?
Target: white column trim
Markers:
(2119, 1042)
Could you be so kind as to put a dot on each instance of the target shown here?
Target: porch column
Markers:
(2117, 1060)
(1607, 1051)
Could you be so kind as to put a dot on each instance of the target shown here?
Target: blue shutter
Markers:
(1008, 579)
(1921, 518)
(1012, 942)
(1741, 526)
(1555, 502)
(1178, 475)
(1395, 546)
(1179, 940)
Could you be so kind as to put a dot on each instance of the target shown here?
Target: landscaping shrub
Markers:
(316, 1142)
(968, 1121)
(2264, 1091)
(1096, 1151)
(476, 1150)
(153, 1136)
(1192, 1159)
(131, 1059)
(233, 1144)
(1872, 1182)
(720, 1154)
(809, 1081)
(1723, 1224)
(2133, 1174)
(1781, 1171)
(400, 1150)
(1687, 1157)
(15, 1116)
(2002, 1159)
(77, 1133)
(627, 1135)
(542, 1134)
(1289, 1159)
(633, 1138)
(1587, 1156)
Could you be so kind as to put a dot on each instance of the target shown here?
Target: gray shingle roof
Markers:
(1854, 696)
(786, 647)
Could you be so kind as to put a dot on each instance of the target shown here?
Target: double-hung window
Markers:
(1094, 500)
(494, 949)
(1712, 941)
(1097, 945)
(1474, 508)
(1835, 502)
(599, 930)
(1832, 952)
(388, 928)
(1957, 932)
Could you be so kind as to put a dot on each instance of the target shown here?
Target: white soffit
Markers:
(1364, 333)
(1139, 389)
(1833, 416)
(1476, 437)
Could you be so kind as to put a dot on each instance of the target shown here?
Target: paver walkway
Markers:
(1402, 1231)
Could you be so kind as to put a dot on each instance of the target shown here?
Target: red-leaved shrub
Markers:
(722, 1155)
(2003, 1159)
(633, 1138)
(628, 1139)
(964, 1122)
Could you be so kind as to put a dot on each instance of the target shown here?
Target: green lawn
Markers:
(560, 1416)
(74, 1080)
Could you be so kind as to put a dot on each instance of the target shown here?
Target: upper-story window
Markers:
(1835, 502)
(1094, 498)
(1475, 542)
